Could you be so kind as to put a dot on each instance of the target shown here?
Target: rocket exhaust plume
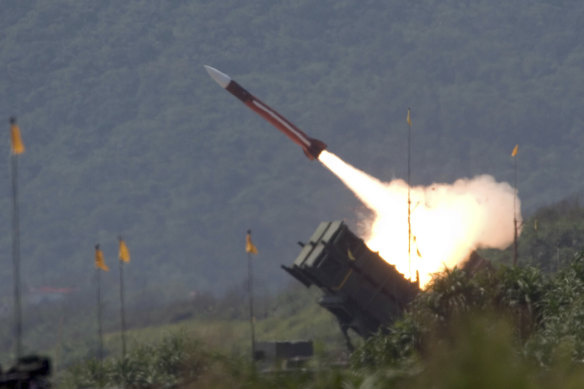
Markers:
(448, 221)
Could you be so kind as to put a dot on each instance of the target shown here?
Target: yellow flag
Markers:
(16, 140)
(249, 246)
(99, 262)
(123, 253)
(515, 149)
(409, 118)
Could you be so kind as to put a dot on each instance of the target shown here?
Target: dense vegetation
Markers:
(503, 327)
(528, 317)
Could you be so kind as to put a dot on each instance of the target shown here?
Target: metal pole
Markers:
(515, 248)
(16, 258)
(99, 329)
(122, 310)
(409, 197)
(123, 323)
(250, 292)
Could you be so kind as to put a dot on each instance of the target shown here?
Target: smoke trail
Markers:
(448, 221)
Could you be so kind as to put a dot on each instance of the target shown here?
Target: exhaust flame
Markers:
(448, 221)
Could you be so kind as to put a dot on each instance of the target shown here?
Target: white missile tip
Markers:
(219, 77)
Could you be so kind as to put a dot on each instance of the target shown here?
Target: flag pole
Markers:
(99, 327)
(123, 256)
(409, 121)
(515, 246)
(250, 292)
(17, 148)
(122, 304)
(250, 249)
(123, 323)
(16, 258)
(122, 309)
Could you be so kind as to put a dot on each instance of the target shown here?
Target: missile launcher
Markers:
(362, 290)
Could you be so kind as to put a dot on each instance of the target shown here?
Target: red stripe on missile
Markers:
(311, 147)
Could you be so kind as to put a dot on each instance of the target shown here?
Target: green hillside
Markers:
(66, 329)
(126, 133)
(500, 326)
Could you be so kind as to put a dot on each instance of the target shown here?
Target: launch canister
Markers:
(311, 147)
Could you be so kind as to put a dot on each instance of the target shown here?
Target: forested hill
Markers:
(127, 134)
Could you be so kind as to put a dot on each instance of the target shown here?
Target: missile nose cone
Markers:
(219, 77)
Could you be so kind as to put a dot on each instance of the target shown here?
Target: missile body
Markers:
(311, 147)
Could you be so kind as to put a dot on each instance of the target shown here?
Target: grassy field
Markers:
(293, 314)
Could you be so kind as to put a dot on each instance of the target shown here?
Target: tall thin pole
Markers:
(409, 121)
(515, 248)
(122, 310)
(99, 328)
(250, 292)
(16, 258)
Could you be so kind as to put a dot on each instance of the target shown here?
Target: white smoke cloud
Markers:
(448, 221)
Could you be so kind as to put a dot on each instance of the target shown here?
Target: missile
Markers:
(311, 147)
